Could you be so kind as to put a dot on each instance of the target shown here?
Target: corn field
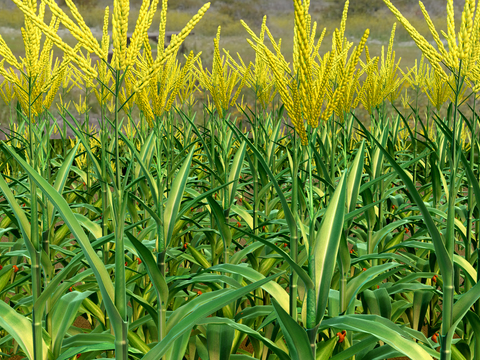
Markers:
(280, 228)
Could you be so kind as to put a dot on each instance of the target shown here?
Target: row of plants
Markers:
(294, 231)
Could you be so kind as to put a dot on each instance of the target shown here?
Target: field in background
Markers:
(233, 35)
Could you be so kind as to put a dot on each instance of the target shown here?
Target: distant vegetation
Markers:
(245, 9)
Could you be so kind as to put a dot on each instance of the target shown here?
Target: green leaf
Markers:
(474, 321)
(141, 161)
(298, 269)
(444, 261)
(243, 214)
(219, 341)
(384, 231)
(61, 178)
(382, 329)
(135, 343)
(19, 215)
(202, 311)
(461, 307)
(273, 288)
(235, 172)
(378, 302)
(153, 271)
(241, 357)
(472, 179)
(101, 274)
(20, 328)
(292, 225)
(326, 247)
(354, 349)
(87, 339)
(178, 349)
(150, 211)
(421, 303)
(325, 349)
(94, 228)
(153, 312)
(214, 279)
(294, 334)
(355, 178)
(86, 143)
(198, 197)
(356, 284)
(175, 198)
(221, 221)
(190, 306)
(458, 260)
(250, 332)
(5, 276)
(456, 354)
(67, 355)
(64, 314)
(198, 256)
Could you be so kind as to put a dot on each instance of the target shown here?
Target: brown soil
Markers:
(248, 348)
(82, 323)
